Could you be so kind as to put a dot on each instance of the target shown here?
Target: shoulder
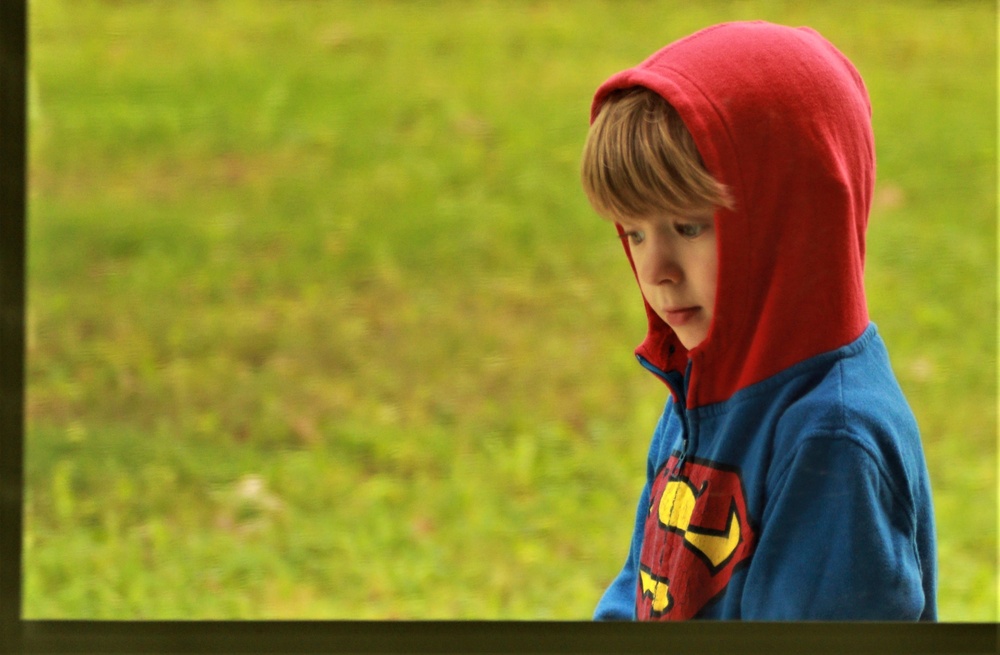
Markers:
(852, 393)
(855, 404)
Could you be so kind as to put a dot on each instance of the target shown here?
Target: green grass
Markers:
(320, 324)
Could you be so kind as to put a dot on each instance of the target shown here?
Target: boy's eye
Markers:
(689, 230)
(635, 237)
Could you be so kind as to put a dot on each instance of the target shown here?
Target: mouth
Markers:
(680, 316)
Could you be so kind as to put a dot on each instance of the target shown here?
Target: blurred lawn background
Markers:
(320, 324)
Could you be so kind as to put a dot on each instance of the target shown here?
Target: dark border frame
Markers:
(504, 637)
(17, 635)
(13, 187)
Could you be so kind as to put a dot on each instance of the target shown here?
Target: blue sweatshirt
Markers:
(785, 479)
(804, 496)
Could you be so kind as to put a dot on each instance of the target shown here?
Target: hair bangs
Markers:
(640, 160)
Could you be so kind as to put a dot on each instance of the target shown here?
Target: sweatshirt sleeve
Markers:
(837, 541)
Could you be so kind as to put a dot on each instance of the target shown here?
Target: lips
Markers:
(680, 316)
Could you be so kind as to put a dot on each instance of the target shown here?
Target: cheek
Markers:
(641, 270)
(643, 288)
(710, 275)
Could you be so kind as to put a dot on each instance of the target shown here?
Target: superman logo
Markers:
(697, 531)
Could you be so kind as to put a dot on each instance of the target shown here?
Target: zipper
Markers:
(684, 445)
(685, 423)
(679, 390)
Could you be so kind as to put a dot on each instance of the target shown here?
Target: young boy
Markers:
(785, 479)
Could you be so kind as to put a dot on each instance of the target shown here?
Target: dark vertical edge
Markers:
(13, 204)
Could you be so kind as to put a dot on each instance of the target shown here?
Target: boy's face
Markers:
(676, 264)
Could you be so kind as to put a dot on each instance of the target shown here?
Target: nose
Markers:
(658, 264)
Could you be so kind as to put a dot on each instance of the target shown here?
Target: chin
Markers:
(692, 342)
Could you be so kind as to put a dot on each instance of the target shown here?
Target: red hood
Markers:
(783, 119)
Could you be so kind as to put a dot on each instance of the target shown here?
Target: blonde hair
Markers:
(641, 160)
